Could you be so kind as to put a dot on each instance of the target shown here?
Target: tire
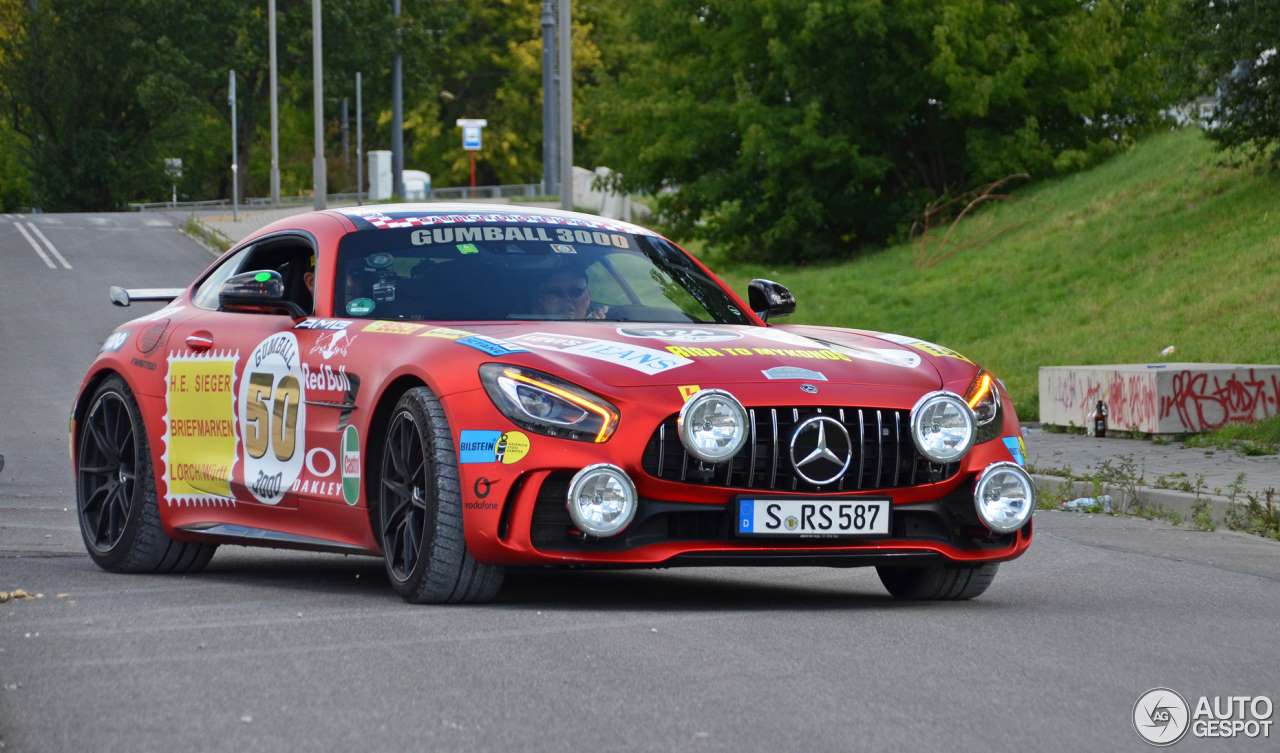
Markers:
(419, 515)
(940, 582)
(115, 481)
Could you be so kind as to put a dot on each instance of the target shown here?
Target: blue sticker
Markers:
(478, 446)
(1017, 449)
(746, 515)
(492, 346)
(793, 372)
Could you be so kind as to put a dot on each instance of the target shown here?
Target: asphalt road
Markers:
(280, 651)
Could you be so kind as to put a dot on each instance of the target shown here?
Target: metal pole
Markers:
(346, 141)
(397, 113)
(359, 142)
(235, 153)
(275, 120)
(566, 106)
(317, 75)
(549, 132)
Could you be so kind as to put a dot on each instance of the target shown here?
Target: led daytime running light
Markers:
(608, 419)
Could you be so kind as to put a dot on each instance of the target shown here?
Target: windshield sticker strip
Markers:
(383, 221)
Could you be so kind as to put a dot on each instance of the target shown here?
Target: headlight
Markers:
(713, 425)
(942, 426)
(983, 397)
(542, 403)
(602, 500)
(1004, 497)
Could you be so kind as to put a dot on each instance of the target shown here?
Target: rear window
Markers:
(523, 271)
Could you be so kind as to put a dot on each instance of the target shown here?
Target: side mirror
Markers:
(257, 292)
(769, 298)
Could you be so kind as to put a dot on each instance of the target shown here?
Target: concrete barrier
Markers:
(1160, 398)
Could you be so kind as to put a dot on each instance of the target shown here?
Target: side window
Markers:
(206, 296)
(294, 259)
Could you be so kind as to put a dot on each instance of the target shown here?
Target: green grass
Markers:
(1163, 245)
(1261, 438)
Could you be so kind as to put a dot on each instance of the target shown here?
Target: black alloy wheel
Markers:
(107, 471)
(403, 502)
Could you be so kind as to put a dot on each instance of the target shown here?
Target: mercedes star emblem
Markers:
(821, 450)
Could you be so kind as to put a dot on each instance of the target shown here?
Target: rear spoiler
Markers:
(123, 297)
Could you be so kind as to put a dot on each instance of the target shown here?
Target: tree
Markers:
(792, 131)
(1234, 51)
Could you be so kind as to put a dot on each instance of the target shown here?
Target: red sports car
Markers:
(463, 388)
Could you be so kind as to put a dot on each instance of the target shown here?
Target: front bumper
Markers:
(515, 514)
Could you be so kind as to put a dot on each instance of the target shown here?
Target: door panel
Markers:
(234, 412)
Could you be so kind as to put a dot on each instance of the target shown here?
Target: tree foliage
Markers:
(1234, 45)
(799, 130)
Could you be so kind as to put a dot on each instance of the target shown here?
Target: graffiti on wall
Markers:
(1201, 400)
(1130, 398)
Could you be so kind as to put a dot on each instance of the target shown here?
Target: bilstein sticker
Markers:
(273, 417)
(504, 447)
(199, 428)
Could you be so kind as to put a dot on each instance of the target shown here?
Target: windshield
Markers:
(523, 270)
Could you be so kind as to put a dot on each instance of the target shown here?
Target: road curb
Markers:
(1166, 500)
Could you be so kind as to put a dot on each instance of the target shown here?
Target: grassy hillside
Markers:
(1160, 246)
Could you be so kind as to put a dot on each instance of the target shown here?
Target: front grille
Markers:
(884, 455)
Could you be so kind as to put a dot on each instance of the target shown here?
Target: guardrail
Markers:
(511, 191)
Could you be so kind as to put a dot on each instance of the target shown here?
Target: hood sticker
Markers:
(491, 345)
(923, 345)
(793, 372)
(635, 357)
(680, 334)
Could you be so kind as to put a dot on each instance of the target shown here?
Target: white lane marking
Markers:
(157, 223)
(61, 259)
(98, 220)
(43, 257)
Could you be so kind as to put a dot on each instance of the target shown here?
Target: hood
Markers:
(627, 355)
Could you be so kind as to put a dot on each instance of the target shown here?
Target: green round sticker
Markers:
(262, 276)
(360, 306)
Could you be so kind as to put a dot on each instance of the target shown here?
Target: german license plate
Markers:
(813, 517)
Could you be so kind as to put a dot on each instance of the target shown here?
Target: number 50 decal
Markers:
(277, 428)
(273, 418)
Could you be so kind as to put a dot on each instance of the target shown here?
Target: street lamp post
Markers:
(317, 75)
(397, 112)
(275, 119)
(566, 106)
(235, 153)
(359, 143)
(549, 155)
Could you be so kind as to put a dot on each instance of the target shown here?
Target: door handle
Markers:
(200, 341)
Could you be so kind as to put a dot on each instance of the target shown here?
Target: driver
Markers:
(562, 294)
